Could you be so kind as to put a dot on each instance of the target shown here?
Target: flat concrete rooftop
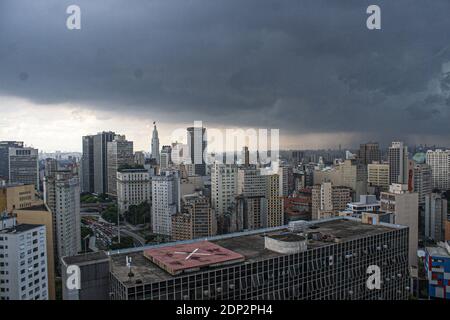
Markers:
(248, 244)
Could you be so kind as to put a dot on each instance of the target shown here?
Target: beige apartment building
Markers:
(16, 196)
(378, 176)
(328, 200)
(405, 207)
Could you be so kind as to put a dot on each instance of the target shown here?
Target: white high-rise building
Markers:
(398, 163)
(439, 161)
(155, 144)
(62, 196)
(165, 201)
(23, 261)
(224, 186)
(134, 186)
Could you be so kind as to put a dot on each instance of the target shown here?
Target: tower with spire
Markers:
(155, 144)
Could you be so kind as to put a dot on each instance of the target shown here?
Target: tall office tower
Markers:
(422, 181)
(39, 214)
(155, 144)
(165, 157)
(23, 261)
(196, 138)
(165, 201)
(4, 156)
(404, 205)
(24, 166)
(224, 187)
(119, 154)
(87, 164)
(51, 167)
(326, 260)
(398, 163)
(196, 219)
(246, 156)
(435, 216)
(139, 158)
(286, 174)
(378, 177)
(252, 205)
(369, 152)
(328, 200)
(100, 141)
(134, 186)
(62, 196)
(439, 161)
(275, 210)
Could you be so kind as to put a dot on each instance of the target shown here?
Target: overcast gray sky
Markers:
(308, 67)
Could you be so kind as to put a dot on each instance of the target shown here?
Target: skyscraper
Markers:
(435, 216)
(62, 196)
(196, 138)
(398, 163)
(100, 164)
(369, 152)
(4, 156)
(165, 201)
(119, 154)
(224, 187)
(155, 144)
(422, 181)
(439, 161)
(87, 164)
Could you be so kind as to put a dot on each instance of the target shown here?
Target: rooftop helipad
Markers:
(191, 257)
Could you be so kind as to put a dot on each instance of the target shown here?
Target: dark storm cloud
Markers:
(303, 66)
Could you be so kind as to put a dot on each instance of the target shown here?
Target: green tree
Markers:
(110, 214)
(139, 214)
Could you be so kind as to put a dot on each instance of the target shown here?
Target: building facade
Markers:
(439, 161)
(134, 186)
(165, 201)
(100, 164)
(436, 216)
(24, 166)
(437, 269)
(120, 154)
(404, 205)
(196, 219)
(87, 164)
(274, 263)
(378, 176)
(23, 261)
(62, 196)
(398, 163)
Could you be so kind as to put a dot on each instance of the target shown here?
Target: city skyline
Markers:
(302, 68)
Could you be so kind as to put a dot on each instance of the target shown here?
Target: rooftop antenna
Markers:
(128, 262)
